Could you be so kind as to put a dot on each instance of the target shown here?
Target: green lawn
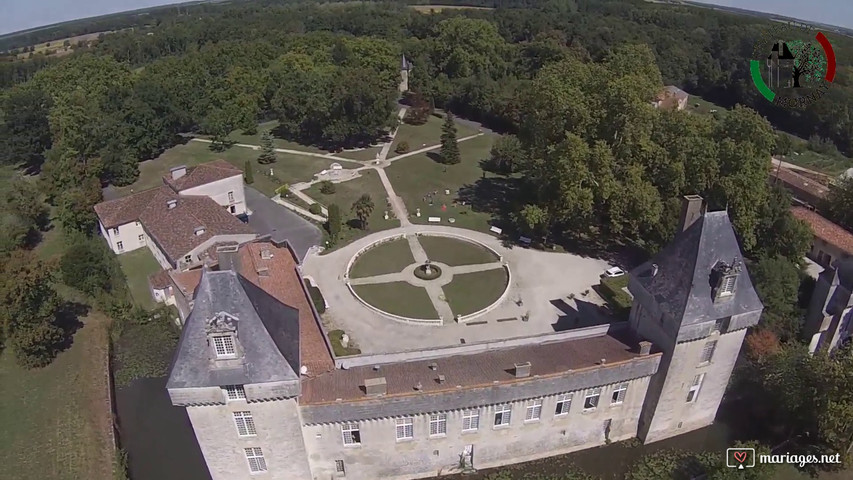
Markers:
(828, 164)
(455, 252)
(388, 257)
(56, 421)
(363, 155)
(398, 298)
(238, 136)
(471, 292)
(338, 348)
(289, 168)
(348, 192)
(701, 106)
(428, 134)
(137, 266)
(415, 176)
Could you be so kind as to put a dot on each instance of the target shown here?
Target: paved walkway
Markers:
(397, 203)
(296, 208)
(541, 283)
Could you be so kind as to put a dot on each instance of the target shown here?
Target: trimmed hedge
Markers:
(316, 297)
(619, 300)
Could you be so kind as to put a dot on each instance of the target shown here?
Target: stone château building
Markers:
(268, 399)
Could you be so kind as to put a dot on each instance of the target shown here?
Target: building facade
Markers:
(831, 242)
(829, 320)
(267, 398)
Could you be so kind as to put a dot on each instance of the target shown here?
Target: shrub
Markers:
(315, 209)
(611, 290)
(316, 297)
(283, 190)
(327, 187)
(402, 147)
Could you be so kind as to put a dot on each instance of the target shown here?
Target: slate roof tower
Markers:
(694, 300)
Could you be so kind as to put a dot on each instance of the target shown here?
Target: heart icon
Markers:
(740, 456)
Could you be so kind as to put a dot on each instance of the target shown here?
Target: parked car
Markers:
(614, 272)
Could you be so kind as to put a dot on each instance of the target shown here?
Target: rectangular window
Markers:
(245, 424)
(141, 239)
(694, 388)
(230, 196)
(115, 231)
(339, 468)
(224, 345)
(503, 413)
(120, 246)
(255, 456)
(351, 434)
(534, 410)
(437, 424)
(590, 402)
(234, 392)
(618, 395)
(564, 404)
(708, 351)
(405, 428)
(470, 421)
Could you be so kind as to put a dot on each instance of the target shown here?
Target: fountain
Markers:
(427, 271)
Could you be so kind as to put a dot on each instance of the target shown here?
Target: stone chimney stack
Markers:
(691, 210)
(645, 347)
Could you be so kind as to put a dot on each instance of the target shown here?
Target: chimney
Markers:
(441, 379)
(691, 210)
(266, 254)
(198, 231)
(645, 347)
(263, 272)
(522, 370)
(375, 386)
(178, 172)
(654, 269)
(172, 204)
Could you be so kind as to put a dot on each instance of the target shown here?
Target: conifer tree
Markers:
(449, 147)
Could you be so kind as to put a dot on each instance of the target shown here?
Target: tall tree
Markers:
(449, 147)
(267, 155)
(363, 207)
(335, 222)
(839, 202)
(24, 129)
(248, 175)
(28, 309)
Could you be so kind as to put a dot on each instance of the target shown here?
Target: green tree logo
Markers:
(809, 63)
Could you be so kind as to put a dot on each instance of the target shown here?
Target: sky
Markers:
(23, 14)
(831, 12)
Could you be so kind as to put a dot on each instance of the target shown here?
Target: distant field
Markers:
(57, 47)
(438, 8)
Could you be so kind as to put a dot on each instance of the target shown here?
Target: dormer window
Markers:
(224, 346)
(727, 286)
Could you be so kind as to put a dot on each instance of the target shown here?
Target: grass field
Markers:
(471, 292)
(348, 192)
(418, 175)
(137, 266)
(56, 420)
(389, 257)
(398, 298)
(288, 168)
(455, 252)
(428, 134)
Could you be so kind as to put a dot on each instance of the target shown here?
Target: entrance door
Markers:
(468, 456)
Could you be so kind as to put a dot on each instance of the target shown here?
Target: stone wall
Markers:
(381, 456)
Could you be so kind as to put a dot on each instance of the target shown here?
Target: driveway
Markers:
(282, 224)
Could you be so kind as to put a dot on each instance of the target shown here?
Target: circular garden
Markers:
(428, 277)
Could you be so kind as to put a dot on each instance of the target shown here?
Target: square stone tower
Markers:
(694, 300)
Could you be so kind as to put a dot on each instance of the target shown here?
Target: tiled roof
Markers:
(117, 212)
(475, 370)
(826, 230)
(284, 283)
(203, 174)
(186, 281)
(805, 184)
(174, 229)
(160, 280)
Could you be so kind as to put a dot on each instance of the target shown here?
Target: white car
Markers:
(614, 272)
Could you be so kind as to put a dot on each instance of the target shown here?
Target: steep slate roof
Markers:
(264, 360)
(174, 229)
(673, 91)
(203, 174)
(285, 284)
(825, 230)
(114, 213)
(682, 285)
